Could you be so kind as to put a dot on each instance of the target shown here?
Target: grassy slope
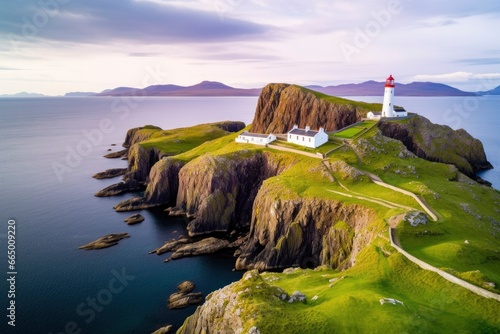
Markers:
(334, 99)
(176, 141)
(352, 305)
(442, 243)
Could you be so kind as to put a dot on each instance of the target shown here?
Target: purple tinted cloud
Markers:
(107, 21)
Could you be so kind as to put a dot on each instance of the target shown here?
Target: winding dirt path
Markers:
(423, 204)
(449, 277)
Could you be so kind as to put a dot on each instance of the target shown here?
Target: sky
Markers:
(57, 46)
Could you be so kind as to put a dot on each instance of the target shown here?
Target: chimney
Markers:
(295, 126)
(308, 128)
(321, 129)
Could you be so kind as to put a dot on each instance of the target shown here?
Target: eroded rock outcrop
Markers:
(205, 246)
(105, 241)
(306, 232)
(161, 189)
(224, 310)
(110, 173)
(119, 188)
(280, 106)
(218, 191)
(140, 162)
(439, 143)
(184, 296)
(134, 219)
(117, 154)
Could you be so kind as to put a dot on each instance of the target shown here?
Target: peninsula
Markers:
(328, 233)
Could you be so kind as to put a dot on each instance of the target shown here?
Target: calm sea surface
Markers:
(50, 147)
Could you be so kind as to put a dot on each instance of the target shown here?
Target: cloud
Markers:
(457, 77)
(480, 61)
(109, 21)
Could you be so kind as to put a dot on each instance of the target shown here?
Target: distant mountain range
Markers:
(205, 88)
(213, 88)
(23, 95)
(368, 88)
(374, 88)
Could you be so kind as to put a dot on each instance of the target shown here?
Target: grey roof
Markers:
(255, 135)
(303, 132)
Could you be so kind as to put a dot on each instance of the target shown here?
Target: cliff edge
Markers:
(280, 106)
(438, 143)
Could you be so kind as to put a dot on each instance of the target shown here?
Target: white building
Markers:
(307, 137)
(388, 104)
(255, 138)
(372, 115)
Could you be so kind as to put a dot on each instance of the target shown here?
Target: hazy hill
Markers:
(80, 94)
(205, 88)
(23, 94)
(494, 91)
(374, 88)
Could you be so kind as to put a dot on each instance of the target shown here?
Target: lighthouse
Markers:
(388, 106)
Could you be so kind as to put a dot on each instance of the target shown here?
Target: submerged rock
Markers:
(106, 241)
(163, 330)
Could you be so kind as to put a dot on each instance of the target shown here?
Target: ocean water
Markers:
(50, 147)
(122, 289)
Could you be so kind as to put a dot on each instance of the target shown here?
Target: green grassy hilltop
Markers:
(464, 241)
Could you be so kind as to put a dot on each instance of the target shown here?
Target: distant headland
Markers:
(214, 88)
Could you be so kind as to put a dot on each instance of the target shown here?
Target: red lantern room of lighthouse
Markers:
(389, 82)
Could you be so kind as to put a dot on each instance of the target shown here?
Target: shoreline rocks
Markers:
(205, 246)
(110, 173)
(105, 241)
(163, 330)
(184, 296)
(170, 246)
(119, 188)
(117, 155)
(134, 219)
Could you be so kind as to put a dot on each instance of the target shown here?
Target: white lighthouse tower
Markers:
(388, 106)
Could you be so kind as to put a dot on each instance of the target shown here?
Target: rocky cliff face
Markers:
(135, 135)
(218, 191)
(163, 181)
(142, 159)
(280, 106)
(224, 310)
(161, 189)
(140, 162)
(305, 232)
(439, 143)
